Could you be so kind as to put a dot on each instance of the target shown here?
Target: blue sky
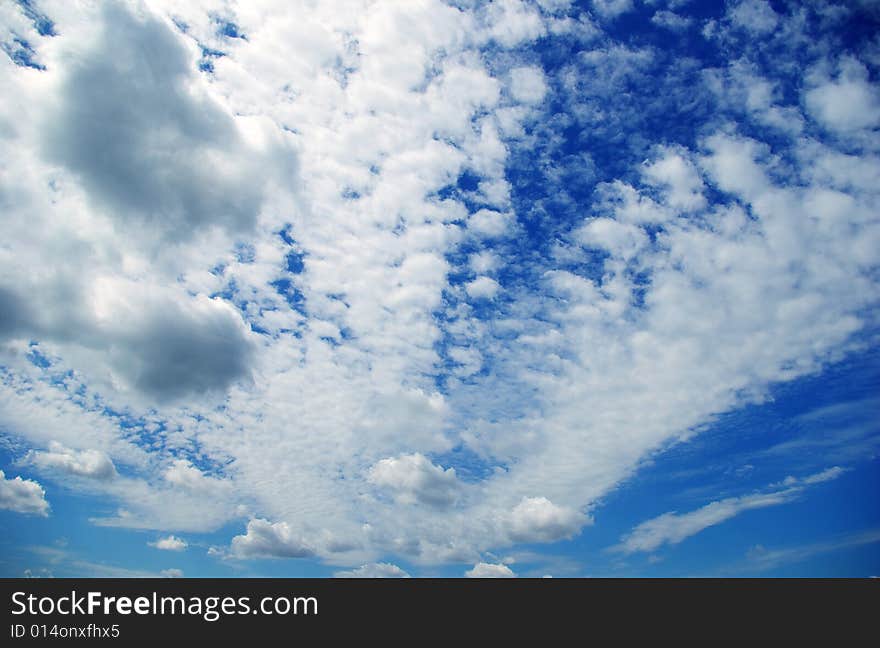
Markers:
(517, 288)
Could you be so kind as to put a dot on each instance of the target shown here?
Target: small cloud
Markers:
(23, 496)
(264, 539)
(490, 570)
(756, 16)
(537, 519)
(172, 573)
(671, 20)
(824, 476)
(483, 262)
(816, 478)
(482, 288)
(610, 9)
(374, 570)
(40, 573)
(527, 84)
(489, 223)
(93, 464)
(171, 543)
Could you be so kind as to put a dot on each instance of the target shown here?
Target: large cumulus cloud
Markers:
(148, 144)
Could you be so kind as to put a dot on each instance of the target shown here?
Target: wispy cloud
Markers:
(761, 559)
(65, 563)
(672, 528)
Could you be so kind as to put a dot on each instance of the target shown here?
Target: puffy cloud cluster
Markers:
(23, 496)
(83, 463)
(266, 540)
(415, 479)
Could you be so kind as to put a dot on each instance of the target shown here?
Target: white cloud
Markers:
(745, 87)
(632, 207)
(67, 564)
(489, 223)
(83, 463)
(846, 104)
(183, 474)
(412, 478)
(537, 519)
(513, 22)
(553, 6)
(373, 570)
(732, 162)
(165, 145)
(826, 475)
(22, 496)
(490, 570)
(482, 288)
(672, 528)
(680, 178)
(611, 9)
(619, 239)
(483, 262)
(470, 360)
(756, 16)
(671, 20)
(117, 318)
(264, 539)
(170, 543)
(760, 558)
(227, 367)
(527, 84)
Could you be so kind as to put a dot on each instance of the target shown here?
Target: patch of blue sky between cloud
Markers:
(518, 346)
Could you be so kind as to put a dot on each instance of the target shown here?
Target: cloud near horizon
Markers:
(673, 528)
